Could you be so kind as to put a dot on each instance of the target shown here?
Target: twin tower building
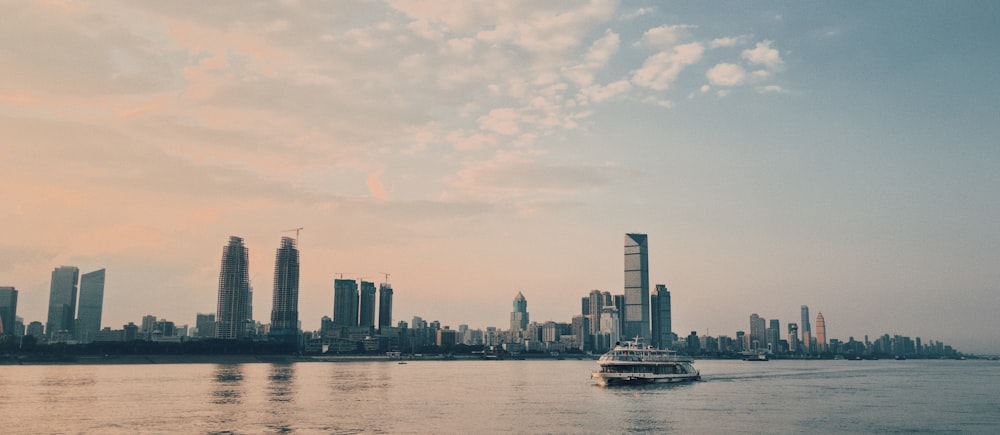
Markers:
(234, 315)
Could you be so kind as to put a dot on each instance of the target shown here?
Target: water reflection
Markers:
(228, 384)
(280, 382)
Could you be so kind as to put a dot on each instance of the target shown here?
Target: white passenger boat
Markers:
(632, 362)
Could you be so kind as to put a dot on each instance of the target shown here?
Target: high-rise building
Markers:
(820, 333)
(660, 313)
(205, 325)
(636, 286)
(233, 313)
(345, 303)
(8, 310)
(806, 330)
(774, 335)
(793, 337)
(758, 334)
(366, 317)
(285, 302)
(88, 317)
(384, 305)
(519, 317)
(62, 303)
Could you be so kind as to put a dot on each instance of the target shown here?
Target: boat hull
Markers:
(610, 379)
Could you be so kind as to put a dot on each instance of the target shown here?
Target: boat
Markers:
(757, 358)
(632, 362)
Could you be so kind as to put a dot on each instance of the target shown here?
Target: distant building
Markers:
(285, 300)
(88, 321)
(820, 333)
(62, 303)
(610, 328)
(660, 310)
(205, 325)
(793, 338)
(233, 315)
(774, 336)
(345, 303)
(366, 315)
(446, 337)
(519, 317)
(758, 333)
(806, 330)
(636, 315)
(384, 306)
(8, 310)
(35, 329)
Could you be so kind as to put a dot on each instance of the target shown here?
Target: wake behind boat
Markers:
(633, 363)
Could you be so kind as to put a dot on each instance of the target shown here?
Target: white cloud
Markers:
(660, 70)
(771, 89)
(666, 36)
(599, 93)
(503, 121)
(763, 54)
(726, 42)
(726, 74)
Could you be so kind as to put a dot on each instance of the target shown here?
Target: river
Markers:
(542, 396)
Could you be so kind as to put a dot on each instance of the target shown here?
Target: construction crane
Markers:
(386, 281)
(296, 233)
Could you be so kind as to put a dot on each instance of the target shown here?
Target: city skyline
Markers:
(841, 156)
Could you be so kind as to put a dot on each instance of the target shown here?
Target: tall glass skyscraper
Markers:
(8, 309)
(806, 330)
(366, 316)
(519, 317)
(88, 317)
(62, 303)
(820, 333)
(233, 313)
(636, 287)
(285, 301)
(345, 303)
(758, 332)
(660, 313)
(384, 306)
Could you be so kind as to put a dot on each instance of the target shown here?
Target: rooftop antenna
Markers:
(386, 281)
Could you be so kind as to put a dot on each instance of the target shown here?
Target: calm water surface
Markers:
(421, 397)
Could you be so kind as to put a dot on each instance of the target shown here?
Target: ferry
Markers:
(634, 363)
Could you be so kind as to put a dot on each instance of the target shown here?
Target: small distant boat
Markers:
(756, 358)
(900, 357)
(634, 363)
(402, 362)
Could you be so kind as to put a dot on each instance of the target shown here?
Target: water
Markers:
(886, 396)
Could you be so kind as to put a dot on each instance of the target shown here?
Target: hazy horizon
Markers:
(840, 156)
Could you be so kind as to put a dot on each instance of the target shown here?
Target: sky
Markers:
(840, 155)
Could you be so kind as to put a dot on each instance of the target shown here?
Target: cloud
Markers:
(763, 54)
(660, 70)
(730, 41)
(599, 93)
(666, 36)
(726, 74)
(771, 89)
(375, 186)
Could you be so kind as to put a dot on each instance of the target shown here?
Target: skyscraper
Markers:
(820, 333)
(660, 313)
(519, 317)
(285, 302)
(345, 303)
(366, 317)
(384, 306)
(793, 337)
(758, 335)
(88, 317)
(62, 303)
(636, 286)
(8, 309)
(774, 335)
(205, 324)
(233, 313)
(806, 330)
(593, 306)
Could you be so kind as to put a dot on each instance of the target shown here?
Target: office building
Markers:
(88, 317)
(758, 334)
(204, 325)
(285, 301)
(774, 336)
(793, 338)
(345, 303)
(384, 306)
(233, 315)
(660, 318)
(820, 333)
(806, 330)
(636, 286)
(8, 310)
(62, 303)
(519, 317)
(366, 316)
